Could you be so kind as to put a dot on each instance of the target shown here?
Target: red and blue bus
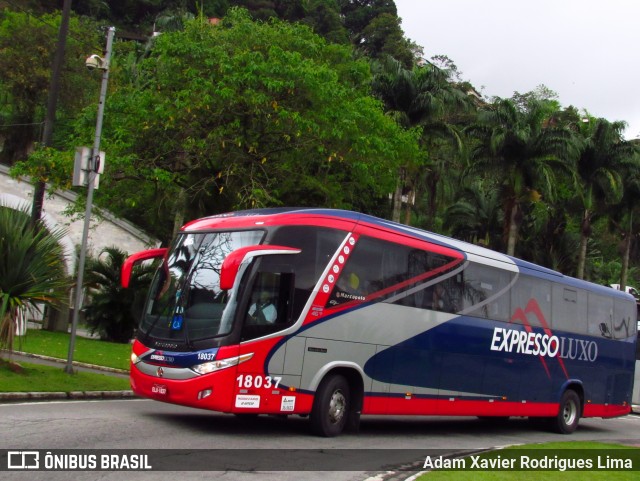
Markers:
(334, 314)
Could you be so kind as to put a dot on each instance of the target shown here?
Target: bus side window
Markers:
(486, 292)
(569, 309)
(624, 320)
(600, 315)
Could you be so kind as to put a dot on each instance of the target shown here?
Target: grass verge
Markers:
(38, 378)
(91, 351)
(584, 451)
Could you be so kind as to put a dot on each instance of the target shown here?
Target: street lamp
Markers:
(95, 164)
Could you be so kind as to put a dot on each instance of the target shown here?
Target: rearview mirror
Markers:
(232, 262)
(127, 266)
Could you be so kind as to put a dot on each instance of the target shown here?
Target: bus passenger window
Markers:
(624, 320)
(600, 315)
(350, 285)
(486, 292)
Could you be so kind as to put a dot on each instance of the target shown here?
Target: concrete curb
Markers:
(72, 395)
(64, 361)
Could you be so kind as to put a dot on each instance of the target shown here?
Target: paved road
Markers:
(142, 424)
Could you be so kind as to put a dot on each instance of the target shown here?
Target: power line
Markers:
(2, 126)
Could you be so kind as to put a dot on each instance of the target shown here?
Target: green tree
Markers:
(248, 114)
(476, 215)
(375, 29)
(32, 269)
(113, 311)
(604, 159)
(624, 216)
(523, 149)
(423, 99)
(27, 44)
(323, 16)
(547, 237)
(358, 14)
(384, 36)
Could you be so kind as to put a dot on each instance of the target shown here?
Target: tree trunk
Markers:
(179, 209)
(38, 202)
(512, 236)
(584, 238)
(397, 197)
(433, 180)
(7, 327)
(624, 272)
(407, 210)
(52, 101)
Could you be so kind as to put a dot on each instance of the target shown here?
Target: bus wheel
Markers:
(331, 406)
(568, 416)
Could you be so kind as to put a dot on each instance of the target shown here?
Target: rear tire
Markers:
(569, 413)
(331, 406)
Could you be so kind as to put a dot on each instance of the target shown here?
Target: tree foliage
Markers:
(205, 119)
(114, 311)
(425, 99)
(249, 114)
(605, 160)
(32, 269)
(519, 147)
(27, 44)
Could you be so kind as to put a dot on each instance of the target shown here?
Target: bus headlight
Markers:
(208, 367)
(134, 358)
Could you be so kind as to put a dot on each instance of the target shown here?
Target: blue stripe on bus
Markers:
(457, 356)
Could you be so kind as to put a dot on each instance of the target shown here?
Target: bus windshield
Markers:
(185, 302)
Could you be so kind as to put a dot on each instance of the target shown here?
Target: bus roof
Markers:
(483, 255)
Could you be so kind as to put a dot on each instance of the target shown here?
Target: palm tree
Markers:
(624, 216)
(420, 98)
(476, 215)
(32, 269)
(547, 237)
(111, 311)
(604, 158)
(524, 150)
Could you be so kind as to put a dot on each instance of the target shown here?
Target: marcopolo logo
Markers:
(538, 344)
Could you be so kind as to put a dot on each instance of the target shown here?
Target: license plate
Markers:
(160, 389)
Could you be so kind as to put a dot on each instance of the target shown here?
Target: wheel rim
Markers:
(569, 413)
(337, 407)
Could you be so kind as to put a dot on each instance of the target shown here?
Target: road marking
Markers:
(26, 403)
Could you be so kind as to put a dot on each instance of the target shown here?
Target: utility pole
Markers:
(52, 100)
(95, 164)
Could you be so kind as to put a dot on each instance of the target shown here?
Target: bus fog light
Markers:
(204, 393)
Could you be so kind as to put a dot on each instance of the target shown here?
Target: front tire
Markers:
(569, 413)
(331, 406)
